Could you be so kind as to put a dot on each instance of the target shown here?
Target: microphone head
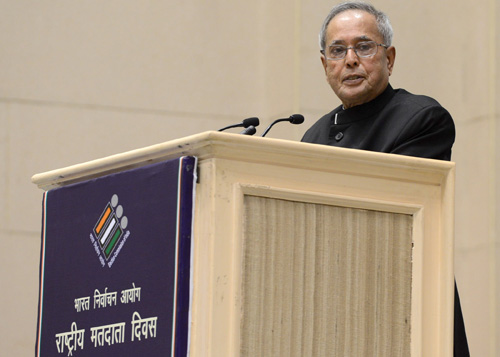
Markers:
(296, 119)
(249, 131)
(250, 121)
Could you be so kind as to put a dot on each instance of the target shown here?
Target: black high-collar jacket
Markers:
(395, 122)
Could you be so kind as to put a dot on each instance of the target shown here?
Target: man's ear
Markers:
(391, 57)
(323, 62)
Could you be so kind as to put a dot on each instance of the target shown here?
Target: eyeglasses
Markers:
(362, 49)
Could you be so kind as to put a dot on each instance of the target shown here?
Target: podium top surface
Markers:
(212, 144)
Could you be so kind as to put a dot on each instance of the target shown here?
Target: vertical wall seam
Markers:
(297, 53)
(493, 177)
(296, 106)
(8, 166)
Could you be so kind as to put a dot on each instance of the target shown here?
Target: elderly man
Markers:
(358, 58)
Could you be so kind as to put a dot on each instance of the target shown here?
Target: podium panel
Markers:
(331, 280)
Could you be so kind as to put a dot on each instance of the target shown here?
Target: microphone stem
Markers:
(271, 125)
(230, 126)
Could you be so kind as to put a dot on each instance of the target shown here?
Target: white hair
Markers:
(383, 23)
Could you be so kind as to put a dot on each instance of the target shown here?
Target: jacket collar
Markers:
(363, 111)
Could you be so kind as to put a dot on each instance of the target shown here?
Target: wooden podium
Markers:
(309, 250)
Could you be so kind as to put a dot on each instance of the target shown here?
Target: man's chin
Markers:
(352, 98)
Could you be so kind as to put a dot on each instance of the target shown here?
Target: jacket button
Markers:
(339, 136)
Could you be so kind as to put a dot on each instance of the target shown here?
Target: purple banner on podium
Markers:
(115, 264)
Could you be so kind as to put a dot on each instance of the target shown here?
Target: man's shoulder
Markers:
(403, 97)
(413, 110)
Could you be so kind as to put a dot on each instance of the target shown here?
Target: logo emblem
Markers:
(109, 228)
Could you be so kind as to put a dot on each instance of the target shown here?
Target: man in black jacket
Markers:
(358, 58)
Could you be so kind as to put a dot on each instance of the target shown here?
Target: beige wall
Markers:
(85, 79)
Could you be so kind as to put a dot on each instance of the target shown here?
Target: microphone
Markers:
(294, 119)
(249, 131)
(253, 121)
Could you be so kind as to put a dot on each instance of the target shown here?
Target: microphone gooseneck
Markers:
(294, 119)
(253, 121)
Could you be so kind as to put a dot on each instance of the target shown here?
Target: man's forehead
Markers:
(352, 25)
(352, 13)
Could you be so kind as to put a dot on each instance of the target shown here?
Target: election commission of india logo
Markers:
(109, 234)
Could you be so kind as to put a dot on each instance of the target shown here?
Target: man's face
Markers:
(357, 80)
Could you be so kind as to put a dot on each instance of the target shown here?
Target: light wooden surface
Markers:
(321, 280)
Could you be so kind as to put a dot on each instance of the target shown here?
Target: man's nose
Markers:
(351, 58)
